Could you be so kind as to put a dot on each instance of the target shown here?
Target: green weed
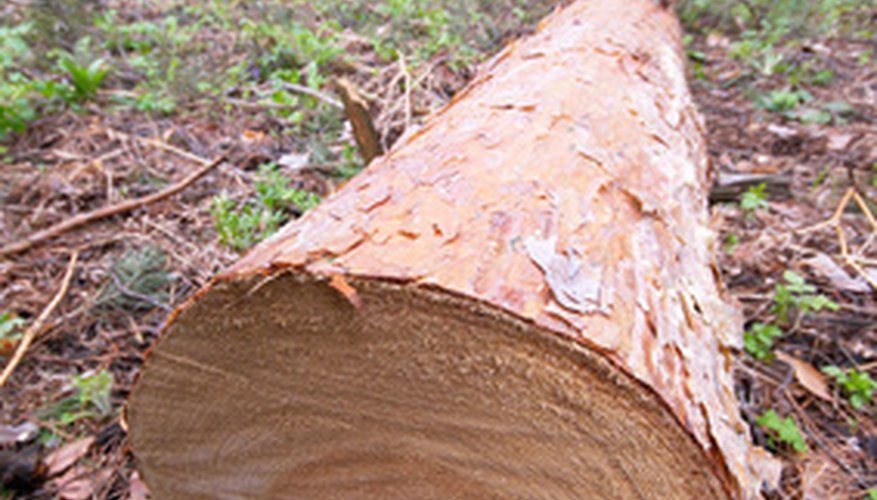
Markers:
(90, 399)
(242, 225)
(783, 431)
(138, 281)
(758, 340)
(731, 242)
(17, 107)
(798, 295)
(858, 386)
(10, 327)
(754, 199)
(86, 79)
(163, 57)
(783, 101)
(833, 112)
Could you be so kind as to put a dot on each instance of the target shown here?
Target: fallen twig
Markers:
(160, 145)
(35, 328)
(313, 93)
(102, 213)
(836, 222)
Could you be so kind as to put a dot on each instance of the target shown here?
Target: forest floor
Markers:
(102, 102)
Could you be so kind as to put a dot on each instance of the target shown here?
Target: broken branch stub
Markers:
(518, 301)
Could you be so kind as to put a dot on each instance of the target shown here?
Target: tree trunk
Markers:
(518, 301)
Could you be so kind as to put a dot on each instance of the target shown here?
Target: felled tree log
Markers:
(518, 301)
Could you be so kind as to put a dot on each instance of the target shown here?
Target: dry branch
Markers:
(126, 206)
(34, 329)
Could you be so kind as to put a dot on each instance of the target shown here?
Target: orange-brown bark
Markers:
(566, 186)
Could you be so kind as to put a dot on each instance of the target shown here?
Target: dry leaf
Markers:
(80, 489)
(79, 483)
(808, 376)
(67, 455)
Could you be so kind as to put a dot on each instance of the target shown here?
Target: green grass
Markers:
(858, 386)
(90, 399)
(795, 294)
(754, 199)
(242, 225)
(758, 340)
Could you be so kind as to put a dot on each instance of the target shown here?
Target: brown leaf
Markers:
(67, 455)
(78, 483)
(808, 376)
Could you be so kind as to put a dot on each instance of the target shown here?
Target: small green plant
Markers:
(90, 399)
(17, 107)
(137, 281)
(754, 199)
(86, 79)
(797, 294)
(10, 327)
(872, 494)
(782, 430)
(858, 386)
(836, 112)
(758, 340)
(731, 242)
(241, 225)
(783, 101)
(9, 324)
(276, 195)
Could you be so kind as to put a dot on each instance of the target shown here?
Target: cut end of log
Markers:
(418, 393)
